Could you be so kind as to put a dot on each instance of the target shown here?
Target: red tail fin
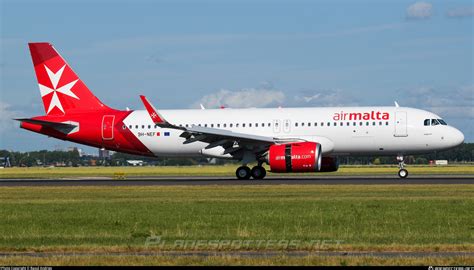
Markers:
(61, 89)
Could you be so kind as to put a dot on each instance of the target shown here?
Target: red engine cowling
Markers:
(329, 164)
(295, 157)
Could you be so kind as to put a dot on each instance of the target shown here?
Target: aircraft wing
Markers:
(231, 141)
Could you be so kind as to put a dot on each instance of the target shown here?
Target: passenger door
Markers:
(287, 125)
(276, 126)
(108, 127)
(400, 124)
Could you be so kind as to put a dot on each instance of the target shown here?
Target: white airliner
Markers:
(287, 139)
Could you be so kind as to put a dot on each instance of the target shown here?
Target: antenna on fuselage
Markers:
(396, 104)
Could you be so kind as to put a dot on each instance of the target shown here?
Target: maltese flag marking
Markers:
(55, 77)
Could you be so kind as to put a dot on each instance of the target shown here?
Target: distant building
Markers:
(104, 153)
(5, 162)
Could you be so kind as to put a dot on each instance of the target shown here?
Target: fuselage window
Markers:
(237, 125)
(373, 123)
(263, 124)
(348, 124)
(243, 125)
(322, 124)
(315, 124)
(380, 123)
(335, 124)
(230, 125)
(143, 126)
(250, 124)
(269, 124)
(329, 124)
(296, 124)
(354, 123)
(130, 126)
(149, 126)
(341, 124)
(256, 124)
(309, 124)
(427, 122)
(386, 123)
(218, 125)
(360, 124)
(302, 124)
(225, 125)
(212, 125)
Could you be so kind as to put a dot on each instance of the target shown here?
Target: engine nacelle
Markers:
(329, 164)
(295, 157)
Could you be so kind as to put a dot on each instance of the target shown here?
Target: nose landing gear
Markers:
(402, 173)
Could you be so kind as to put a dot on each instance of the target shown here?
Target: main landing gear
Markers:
(244, 172)
(402, 173)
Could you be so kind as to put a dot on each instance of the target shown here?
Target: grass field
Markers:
(375, 217)
(226, 170)
(232, 260)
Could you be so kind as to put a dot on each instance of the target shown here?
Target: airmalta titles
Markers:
(373, 115)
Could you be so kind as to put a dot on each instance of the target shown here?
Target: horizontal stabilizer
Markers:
(62, 127)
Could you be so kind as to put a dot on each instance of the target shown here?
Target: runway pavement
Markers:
(292, 180)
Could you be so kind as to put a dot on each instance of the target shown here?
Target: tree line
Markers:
(460, 154)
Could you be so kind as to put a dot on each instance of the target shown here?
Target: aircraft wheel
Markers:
(258, 172)
(402, 173)
(243, 173)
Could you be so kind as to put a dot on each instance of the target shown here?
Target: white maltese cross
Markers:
(65, 89)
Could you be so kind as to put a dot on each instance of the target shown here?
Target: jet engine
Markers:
(295, 157)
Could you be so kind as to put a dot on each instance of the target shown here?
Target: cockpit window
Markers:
(434, 122)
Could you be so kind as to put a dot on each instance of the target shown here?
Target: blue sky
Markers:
(243, 54)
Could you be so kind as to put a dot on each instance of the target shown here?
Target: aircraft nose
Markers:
(457, 137)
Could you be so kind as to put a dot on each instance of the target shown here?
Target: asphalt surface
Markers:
(293, 180)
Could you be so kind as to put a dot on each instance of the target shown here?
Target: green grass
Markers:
(374, 217)
(226, 170)
(233, 260)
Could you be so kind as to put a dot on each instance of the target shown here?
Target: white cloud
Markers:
(326, 98)
(455, 103)
(266, 96)
(419, 10)
(460, 12)
(245, 98)
(6, 116)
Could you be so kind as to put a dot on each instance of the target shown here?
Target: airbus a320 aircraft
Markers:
(287, 139)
